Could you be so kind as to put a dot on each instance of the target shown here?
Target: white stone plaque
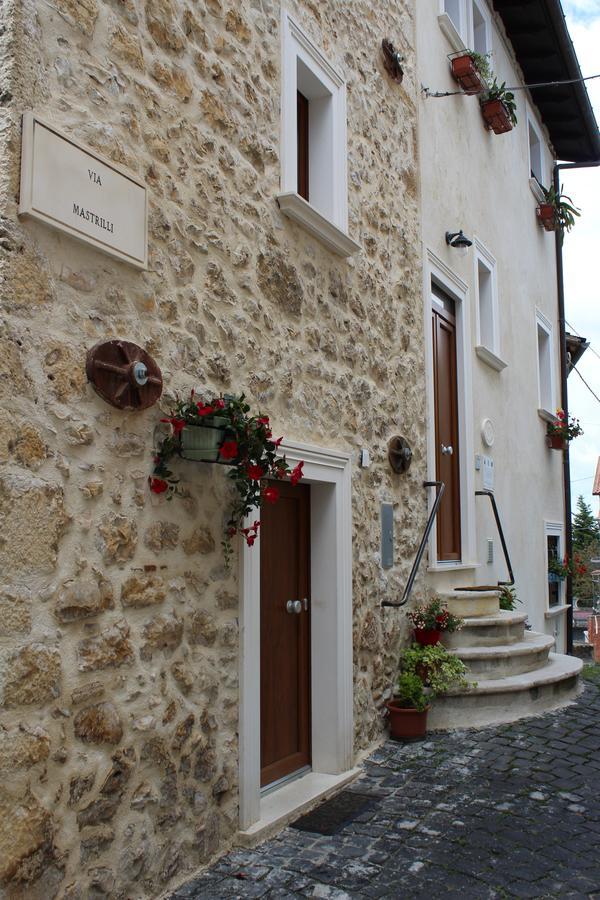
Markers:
(72, 188)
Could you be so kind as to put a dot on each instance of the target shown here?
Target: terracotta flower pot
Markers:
(546, 216)
(467, 74)
(427, 636)
(555, 442)
(202, 442)
(406, 724)
(496, 116)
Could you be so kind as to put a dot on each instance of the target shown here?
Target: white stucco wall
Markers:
(478, 181)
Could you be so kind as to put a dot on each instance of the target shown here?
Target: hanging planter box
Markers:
(553, 578)
(496, 116)
(467, 74)
(546, 215)
(406, 724)
(555, 442)
(202, 443)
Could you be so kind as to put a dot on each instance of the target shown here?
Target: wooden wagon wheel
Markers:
(123, 374)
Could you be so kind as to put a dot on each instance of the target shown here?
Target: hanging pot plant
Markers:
(471, 70)
(562, 430)
(499, 108)
(557, 212)
(222, 430)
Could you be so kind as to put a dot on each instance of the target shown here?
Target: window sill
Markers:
(490, 358)
(546, 415)
(536, 190)
(438, 568)
(449, 29)
(556, 611)
(296, 208)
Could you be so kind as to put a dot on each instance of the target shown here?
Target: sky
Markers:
(581, 250)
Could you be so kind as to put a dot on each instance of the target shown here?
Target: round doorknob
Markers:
(447, 451)
(294, 606)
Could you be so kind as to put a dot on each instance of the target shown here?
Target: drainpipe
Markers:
(564, 393)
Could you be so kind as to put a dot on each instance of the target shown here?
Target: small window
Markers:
(313, 141)
(554, 551)
(453, 9)
(486, 299)
(545, 363)
(536, 167)
(481, 30)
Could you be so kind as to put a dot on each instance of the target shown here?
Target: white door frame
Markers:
(329, 474)
(434, 267)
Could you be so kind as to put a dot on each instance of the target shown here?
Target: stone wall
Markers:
(118, 620)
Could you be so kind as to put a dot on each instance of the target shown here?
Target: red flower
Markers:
(158, 485)
(204, 410)
(231, 532)
(278, 441)
(255, 472)
(218, 403)
(296, 473)
(263, 420)
(229, 450)
(177, 424)
(250, 538)
(271, 494)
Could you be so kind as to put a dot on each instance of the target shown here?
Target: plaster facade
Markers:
(475, 180)
(119, 624)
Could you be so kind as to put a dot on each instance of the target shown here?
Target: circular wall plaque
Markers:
(123, 374)
(399, 454)
(487, 432)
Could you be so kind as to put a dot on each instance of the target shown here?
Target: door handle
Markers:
(294, 606)
(447, 451)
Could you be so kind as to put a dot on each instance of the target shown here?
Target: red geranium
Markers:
(158, 485)
(255, 472)
(271, 494)
(296, 473)
(263, 420)
(177, 424)
(229, 450)
(204, 410)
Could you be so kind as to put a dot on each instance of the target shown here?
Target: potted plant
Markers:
(559, 569)
(508, 598)
(471, 70)
(430, 620)
(499, 108)
(557, 212)
(425, 673)
(223, 430)
(562, 430)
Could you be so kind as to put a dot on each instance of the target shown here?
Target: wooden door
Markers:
(446, 426)
(284, 634)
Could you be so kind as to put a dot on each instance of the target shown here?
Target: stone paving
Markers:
(502, 812)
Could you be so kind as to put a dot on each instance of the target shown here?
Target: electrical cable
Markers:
(520, 87)
(593, 393)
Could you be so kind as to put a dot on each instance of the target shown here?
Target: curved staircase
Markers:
(517, 675)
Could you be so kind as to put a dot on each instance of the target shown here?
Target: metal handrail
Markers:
(413, 572)
(490, 494)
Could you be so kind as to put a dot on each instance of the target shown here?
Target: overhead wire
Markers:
(592, 392)
(518, 87)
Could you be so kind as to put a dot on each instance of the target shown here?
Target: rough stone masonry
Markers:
(118, 621)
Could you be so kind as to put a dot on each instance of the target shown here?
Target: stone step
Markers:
(504, 660)
(499, 700)
(471, 603)
(485, 631)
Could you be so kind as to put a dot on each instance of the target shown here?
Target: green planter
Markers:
(202, 443)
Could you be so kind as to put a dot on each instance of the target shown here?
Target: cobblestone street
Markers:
(502, 812)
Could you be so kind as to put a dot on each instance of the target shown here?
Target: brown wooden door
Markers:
(285, 636)
(446, 426)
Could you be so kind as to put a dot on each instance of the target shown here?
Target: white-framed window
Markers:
(313, 140)
(545, 355)
(486, 307)
(467, 23)
(554, 547)
(536, 150)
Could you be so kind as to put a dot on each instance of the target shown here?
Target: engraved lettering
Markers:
(93, 176)
(90, 216)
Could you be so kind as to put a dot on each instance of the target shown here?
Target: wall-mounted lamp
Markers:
(458, 240)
